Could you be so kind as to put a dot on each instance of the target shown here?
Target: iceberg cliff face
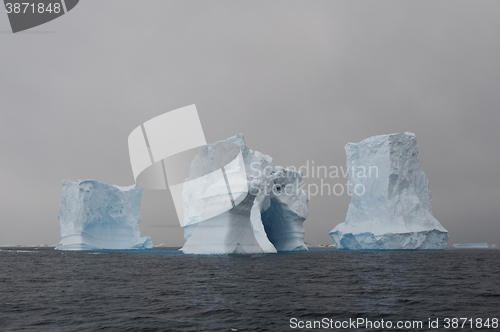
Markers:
(268, 211)
(391, 200)
(94, 215)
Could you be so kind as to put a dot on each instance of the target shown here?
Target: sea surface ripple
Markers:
(164, 290)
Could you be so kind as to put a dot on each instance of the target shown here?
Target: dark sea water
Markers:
(163, 290)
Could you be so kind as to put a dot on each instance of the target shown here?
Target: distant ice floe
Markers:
(472, 245)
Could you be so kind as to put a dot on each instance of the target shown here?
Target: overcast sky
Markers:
(300, 79)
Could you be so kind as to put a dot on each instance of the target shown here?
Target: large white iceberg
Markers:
(391, 200)
(269, 204)
(94, 215)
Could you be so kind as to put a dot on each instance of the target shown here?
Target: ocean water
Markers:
(163, 290)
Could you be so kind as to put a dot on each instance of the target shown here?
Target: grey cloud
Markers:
(300, 79)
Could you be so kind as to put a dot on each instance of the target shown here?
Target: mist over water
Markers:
(164, 290)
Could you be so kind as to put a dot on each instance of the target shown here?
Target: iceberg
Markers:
(263, 213)
(94, 216)
(391, 201)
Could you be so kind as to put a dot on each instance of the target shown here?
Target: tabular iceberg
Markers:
(391, 200)
(94, 215)
(269, 204)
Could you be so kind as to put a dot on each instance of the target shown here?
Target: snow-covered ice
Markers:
(391, 200)
(94, 215)
(269, 203)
